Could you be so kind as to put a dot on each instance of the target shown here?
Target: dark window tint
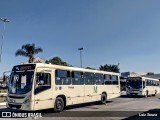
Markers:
(107, 79)
(63, 77)
(89, 78)
(43, 82)
(114, 79)
(147, 82)
(77, 78)
(158, 83)
(150, 83)
(99, 79)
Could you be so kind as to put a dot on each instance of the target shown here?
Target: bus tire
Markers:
(146, 95)
(59, 104)
(103, 98)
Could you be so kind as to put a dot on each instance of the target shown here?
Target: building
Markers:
(132, 74)
(155, 76)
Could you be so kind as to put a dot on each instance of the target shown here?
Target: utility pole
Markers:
(80, 49)
(4, 20)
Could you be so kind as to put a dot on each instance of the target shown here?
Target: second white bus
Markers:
(142, 86)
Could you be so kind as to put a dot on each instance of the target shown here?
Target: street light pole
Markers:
(80, 49)
(4, 20)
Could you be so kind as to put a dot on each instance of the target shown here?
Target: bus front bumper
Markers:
(139, 93)
(18, 106)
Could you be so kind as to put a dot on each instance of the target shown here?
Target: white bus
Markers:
(42, 86)
(142, 86)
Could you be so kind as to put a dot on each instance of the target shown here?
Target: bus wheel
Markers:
(146, 95)
(59, 104)
(103, 98)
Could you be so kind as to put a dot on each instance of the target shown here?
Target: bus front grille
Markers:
(16, 97)
(14, 106)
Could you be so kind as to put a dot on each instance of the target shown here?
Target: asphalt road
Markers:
(118, 108)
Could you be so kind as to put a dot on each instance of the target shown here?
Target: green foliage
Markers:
(57, 61)
(28, 50)
(110, 68)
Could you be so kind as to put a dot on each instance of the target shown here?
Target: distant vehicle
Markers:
(42, 86)
(142, 86)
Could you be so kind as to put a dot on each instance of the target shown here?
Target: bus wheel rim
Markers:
(59, 104)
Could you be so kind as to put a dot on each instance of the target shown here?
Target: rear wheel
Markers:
(103, 98)
(59, 104)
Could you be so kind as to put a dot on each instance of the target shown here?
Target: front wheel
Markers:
(103, 98)
(59, 104)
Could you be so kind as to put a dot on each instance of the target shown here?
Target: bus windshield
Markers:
(20, 82)
(135, 84)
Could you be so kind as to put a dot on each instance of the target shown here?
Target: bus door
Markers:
(108, 85)
(90, 86)
(150, 87)
(42, 89)
(77, 86)
(64, 86)
(143, 84)
(115, 85)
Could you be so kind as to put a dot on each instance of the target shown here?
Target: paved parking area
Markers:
(118, 108)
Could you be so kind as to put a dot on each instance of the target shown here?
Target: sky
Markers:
(110, 31)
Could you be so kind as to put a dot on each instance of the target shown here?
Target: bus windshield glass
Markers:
(135, 84)
(21, 79)
(20, 82)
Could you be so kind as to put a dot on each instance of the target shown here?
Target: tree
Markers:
(110, 68)
(57, 61)
(28, 50)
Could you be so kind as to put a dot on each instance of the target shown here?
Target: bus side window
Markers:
(150, 82)
(77, 78)
(89, 78)
(114, 79)
(99, 79)
(43, 82)
(107, 79)
(62, 77)
(154, 83)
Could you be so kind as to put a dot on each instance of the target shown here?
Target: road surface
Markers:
(118, 108)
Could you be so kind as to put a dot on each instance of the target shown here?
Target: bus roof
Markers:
(70, 68)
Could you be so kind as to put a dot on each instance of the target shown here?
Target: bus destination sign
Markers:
(24, 67)
(134, 78)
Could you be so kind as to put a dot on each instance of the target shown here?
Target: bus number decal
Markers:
(95, 89)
